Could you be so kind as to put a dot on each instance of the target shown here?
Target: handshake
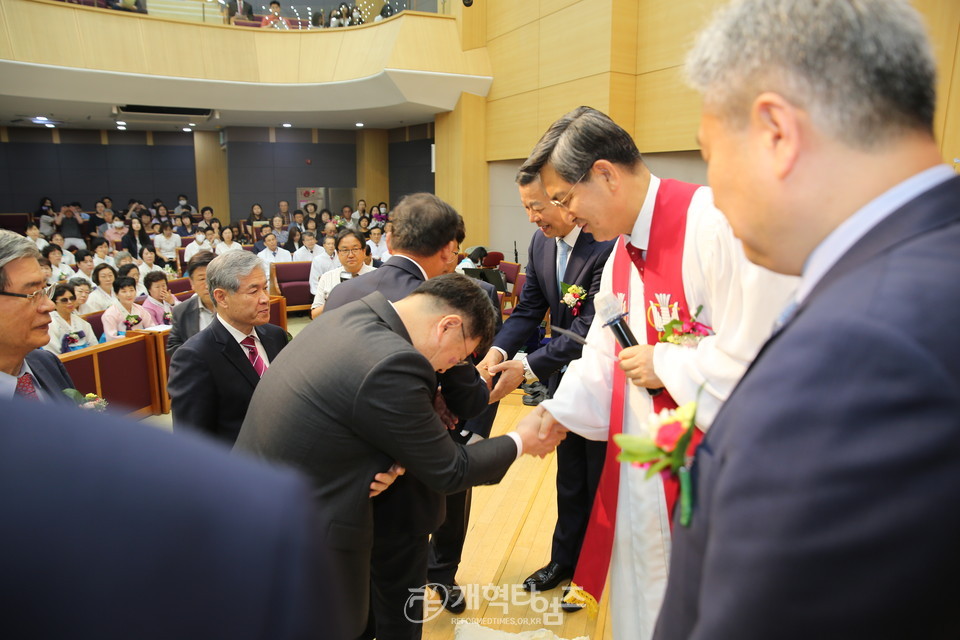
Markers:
(540, 432)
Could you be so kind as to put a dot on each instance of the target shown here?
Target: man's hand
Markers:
(637, 365)
(383, 480)
(446, 416)
(492, 358)
(511, 375)
(540, 432)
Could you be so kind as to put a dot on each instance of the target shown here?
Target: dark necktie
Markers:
(253, 355)
(25, 388)
(637, 256)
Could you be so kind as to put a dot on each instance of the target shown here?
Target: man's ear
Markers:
(777, 124)
(606, 173)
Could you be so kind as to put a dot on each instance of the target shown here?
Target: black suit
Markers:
(246, 12)
(211, 379)
(117, 531)
(343, 410)
(824, 493)
(579, 461)
(49, 375)
(185, 323)
(410, 510)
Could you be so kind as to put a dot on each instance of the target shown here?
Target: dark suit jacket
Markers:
(343, 410)
(542, 292)
(185, 323)
(825, 491)
(50, 374)
(246, 13)
(211, 379)
(118, 531)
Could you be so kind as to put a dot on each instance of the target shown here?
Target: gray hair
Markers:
(863, 69)
(14, 246)
(79, 282)
(574, 142)
(224, 271)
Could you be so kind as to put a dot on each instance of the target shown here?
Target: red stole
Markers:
(662, 273)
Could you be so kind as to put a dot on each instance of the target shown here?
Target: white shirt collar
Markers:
(396, 255)
(640, 234)
(841, 239)
(237, 335)
(570, 238)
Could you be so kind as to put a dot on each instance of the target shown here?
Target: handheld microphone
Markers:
(608, 308)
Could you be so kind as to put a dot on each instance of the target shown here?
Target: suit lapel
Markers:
(548, 269)
(234, 353)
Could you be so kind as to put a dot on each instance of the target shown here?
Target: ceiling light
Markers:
(192, 124)
(121, 123)
(40, 119)
(121, 128)
(187, 129)
(359, 124)
(287, 125)
(50, 125)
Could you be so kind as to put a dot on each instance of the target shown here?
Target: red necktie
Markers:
(25, 388)
(253, 355)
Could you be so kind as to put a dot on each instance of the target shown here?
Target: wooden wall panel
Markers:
(45, 34)
(229, 55)
(943, 21)
(623, 36)
(504, 16)
(462, 177)
(373, 165)
(516, 58)
(575, 42)
(124, 49)
(319, 56)
(213, 188)
(471, 24)
(6, 47)
(668, 112)
(552, 6)
(512, 126)
(665, 31)
(623, 100)
(555, 101)
(278, 56)
(171, 49)
(950, 105)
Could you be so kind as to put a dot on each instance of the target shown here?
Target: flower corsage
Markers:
(573, 296)
(90, 402)
(131, 321)
(664, 447)
(687, 334)
(167, 317)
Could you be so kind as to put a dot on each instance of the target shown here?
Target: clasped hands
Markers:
(540, 432)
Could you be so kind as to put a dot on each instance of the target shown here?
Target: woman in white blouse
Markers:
(148, 262)
(68, 331)
(101, 298)
(167, 243)
(227, 243)
(132, 271)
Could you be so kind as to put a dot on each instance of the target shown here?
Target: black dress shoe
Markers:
(534, 399)
(570, 607)
(451, 596)
(548, 577)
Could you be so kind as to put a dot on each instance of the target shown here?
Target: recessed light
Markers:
(121, 128)
(187, 129)
(40, 119)
(50, 125)
(359, 124)
(192, 124)
(121, 123)
(287, 125)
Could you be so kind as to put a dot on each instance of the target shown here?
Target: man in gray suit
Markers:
(343, 409)
(197, 312)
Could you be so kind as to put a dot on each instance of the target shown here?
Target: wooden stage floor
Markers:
(511, 525)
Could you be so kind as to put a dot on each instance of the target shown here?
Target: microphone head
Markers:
(609, 307)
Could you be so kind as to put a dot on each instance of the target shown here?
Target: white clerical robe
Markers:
(741, 303)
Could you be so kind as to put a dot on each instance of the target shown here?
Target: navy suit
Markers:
(409, 511)
(579, 461)
(211, 379)
(825, 492)
(114, 530)
(50, 375)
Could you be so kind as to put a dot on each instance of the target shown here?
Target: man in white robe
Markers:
(591, 166)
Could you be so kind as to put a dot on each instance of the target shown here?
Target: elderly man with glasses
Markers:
(26, 370)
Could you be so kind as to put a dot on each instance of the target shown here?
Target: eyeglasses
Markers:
(349, 251)
(562, 203)
(36, 297)
(463, 337)
(64, 299)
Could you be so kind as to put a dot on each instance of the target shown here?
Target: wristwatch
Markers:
(528, 375)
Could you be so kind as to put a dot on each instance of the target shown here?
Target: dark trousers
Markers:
(579, 463)
(446, 543)
(398, 564)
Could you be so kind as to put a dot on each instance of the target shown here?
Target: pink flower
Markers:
(668, 435)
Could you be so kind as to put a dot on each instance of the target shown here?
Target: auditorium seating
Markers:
(292, 281)
(178, 285)
(493, 259)
(15, 221)
(517, 290)
(510, 270)
(96, 322)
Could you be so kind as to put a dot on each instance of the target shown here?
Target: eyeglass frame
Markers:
(562, 203)
(350, 251)
(34, 297)
(463, 336)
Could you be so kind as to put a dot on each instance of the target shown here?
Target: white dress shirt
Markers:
(322, 264)
(240, 337)
(331, 279)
